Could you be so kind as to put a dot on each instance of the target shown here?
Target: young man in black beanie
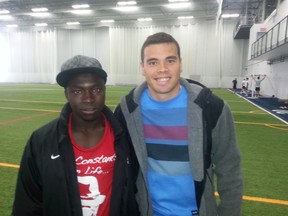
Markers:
(80, 163)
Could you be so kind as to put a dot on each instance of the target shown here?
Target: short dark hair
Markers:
(158, 38)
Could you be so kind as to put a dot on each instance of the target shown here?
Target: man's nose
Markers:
(88, 96)
(162, 66)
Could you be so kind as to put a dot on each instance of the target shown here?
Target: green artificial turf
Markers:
(263, 141)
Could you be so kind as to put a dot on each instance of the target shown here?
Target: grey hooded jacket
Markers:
(225, 154)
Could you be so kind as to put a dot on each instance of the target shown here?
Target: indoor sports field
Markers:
(263, 141)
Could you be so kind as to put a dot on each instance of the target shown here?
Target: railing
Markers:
(275, 37)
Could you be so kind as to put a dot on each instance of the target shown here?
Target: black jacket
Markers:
(49, 187)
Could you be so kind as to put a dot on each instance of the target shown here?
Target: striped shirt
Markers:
(170, 180)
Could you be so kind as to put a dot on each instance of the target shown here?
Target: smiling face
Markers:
(86, 96)
(161, 67)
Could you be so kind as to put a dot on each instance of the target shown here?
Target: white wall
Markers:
(90, 42)
(208, 53)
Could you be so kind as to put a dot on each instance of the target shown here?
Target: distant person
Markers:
(243, 86)
(258, 81)
(79, 163)
(168, 119)
(247, 86)
(234, 86)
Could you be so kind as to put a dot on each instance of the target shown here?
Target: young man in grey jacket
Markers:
(177, 155)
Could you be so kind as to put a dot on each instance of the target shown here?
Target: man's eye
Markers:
(152, 63)
(77, 92)
(97, 90)
(171, 61)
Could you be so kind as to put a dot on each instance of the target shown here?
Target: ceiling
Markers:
(60, 14)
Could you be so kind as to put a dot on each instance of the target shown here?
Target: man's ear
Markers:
(181, 68)
(142, 68)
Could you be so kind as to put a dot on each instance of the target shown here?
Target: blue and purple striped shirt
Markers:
(170, 180)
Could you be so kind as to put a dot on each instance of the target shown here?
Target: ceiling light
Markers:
(6, 17)
(107, 21)
(73, 23)
(40, 24)
(4, 11)
(81, 12)
(179, 5)
(178, 0)
(144, 19)
(126, 3)
(12, 26)
(79, 6)
(185, 17)
(39, 9)
(229, 15)
(42, 14)
(127, 8)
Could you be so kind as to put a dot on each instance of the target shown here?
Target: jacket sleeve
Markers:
(132, 208)
(28, 195)
(226, 159)
(119, 115)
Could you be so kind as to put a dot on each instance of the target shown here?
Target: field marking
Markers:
(43, 102)
(259, 123)
(266, 200)
(263, 200)
(249, 198)
(25, 118)
(28, 109)
(251, 102)
(27, 89)
(9, 165)
(31, 101)
(259, 112)
(274, 126)
(42, 110)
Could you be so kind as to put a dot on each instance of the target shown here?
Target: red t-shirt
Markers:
(95, 172)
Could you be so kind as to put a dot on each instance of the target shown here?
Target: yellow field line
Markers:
(31, 101)
(45, 102)
(28, 109)
(264, 200)
(9, 165)
(42, 110)
(249, 198)
(38, 110)
(279, 128)
(265, 124)
(258, 123)
(258, 112)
